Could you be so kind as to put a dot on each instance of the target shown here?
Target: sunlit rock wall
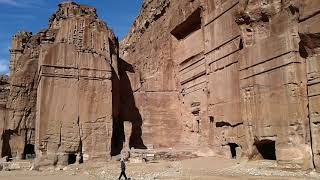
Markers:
(234, 78)
(244, 74)
(74, 108)
(60, 105)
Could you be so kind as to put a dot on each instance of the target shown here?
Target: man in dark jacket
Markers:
(123, 169)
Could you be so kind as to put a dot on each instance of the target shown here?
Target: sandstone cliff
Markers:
(236, 78)
(4, 93)
(4, 89)
(21, 105)
(239, 77)
(60, 101)
(154, 83)
(74, 106)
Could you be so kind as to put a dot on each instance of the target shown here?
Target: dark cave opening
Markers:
(267, 149)
(211, 119)
(233, 150)
(29, 152)
(72, 158)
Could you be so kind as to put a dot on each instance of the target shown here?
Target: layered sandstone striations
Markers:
(74, 105)
(273, 84)
(60, 101)
(21, 105)
(309, 49)
(155, 90)
(238, 78)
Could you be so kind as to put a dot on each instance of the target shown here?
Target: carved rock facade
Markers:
(74, 95)
(237, 77)
(60, 101)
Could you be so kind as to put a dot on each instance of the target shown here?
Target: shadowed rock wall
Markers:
(21, 105)
(154, 80)
(4, 93)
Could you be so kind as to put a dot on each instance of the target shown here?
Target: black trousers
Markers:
(123, 173)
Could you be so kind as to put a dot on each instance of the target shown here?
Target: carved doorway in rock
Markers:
(266, 148)
(233, 150)
(72, 158)
(29, 152)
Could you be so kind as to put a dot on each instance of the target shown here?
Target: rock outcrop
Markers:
(4, 90)
(21, 105)
(155, 89)
(60, 101)
(238, 78)
(74, 110)
(4, 94)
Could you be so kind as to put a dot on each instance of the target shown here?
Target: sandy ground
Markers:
(193, 169)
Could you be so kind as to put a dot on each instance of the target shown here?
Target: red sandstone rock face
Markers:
(74, 108)
(239, 70)
(309, 31)
(237, 77)
(273, 81)
(60, 97)
(155, 92)
(21, 105)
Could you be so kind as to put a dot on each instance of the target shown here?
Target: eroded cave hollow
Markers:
(267, 149)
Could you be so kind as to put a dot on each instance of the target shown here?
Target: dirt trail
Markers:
(195, 169)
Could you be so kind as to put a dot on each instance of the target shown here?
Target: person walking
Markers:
(123, 169)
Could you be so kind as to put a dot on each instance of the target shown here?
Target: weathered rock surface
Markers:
(309, 33)
(240, 78)
(21, 105)
(74, 107)
(4, 93)
(4, 87)
(4, 90)
(60, 101)
(154, 89)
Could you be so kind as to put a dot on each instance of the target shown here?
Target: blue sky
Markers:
(33, 15)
